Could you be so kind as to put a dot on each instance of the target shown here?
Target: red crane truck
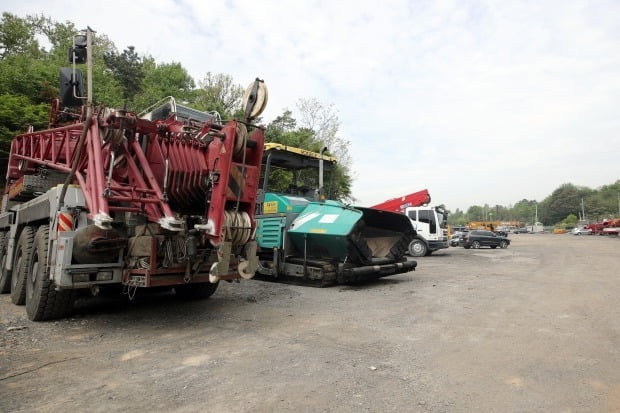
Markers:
(107, 198)
(430, 223)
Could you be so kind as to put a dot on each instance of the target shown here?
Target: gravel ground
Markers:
(533, 328)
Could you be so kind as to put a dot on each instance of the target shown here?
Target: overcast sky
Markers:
(477, 101)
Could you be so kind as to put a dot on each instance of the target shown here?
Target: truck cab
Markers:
(431, 226)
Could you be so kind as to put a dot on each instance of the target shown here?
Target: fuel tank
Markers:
(92, 245)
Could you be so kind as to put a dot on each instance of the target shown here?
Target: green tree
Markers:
(285, 130)
(324, 122)
(524, 211)
(475, 213)
(218, 92)
(569, 222)
(16, 114)
(17, 36)
(283, 123)
(27, 80)
(60, 35)
(24, 75)
(566, 200)
(107, 88)
(162, 80)
(128, 70)
(457, 218)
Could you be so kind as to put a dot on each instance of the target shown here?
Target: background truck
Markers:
(605, 227)
(107, 198)
(430, 223)
(305, 238)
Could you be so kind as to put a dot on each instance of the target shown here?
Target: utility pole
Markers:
(583, 212)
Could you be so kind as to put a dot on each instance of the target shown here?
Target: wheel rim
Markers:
(475, 245)
(418, 248)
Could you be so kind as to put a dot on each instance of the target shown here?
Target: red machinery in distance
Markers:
(415, 199)
(605, 227)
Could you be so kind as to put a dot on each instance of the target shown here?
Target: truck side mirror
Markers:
(71, 87)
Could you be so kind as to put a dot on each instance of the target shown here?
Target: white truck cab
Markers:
(431, 225)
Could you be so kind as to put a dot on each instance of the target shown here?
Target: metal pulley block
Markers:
(241, 136)
(255, 99)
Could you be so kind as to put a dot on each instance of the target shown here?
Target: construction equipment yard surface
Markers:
(532, 328)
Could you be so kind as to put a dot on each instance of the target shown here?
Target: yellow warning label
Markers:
(318, 231)
(270, 207)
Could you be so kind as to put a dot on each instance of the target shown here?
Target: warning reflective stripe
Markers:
(65, 221)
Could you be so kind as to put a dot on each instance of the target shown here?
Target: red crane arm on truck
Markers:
(399, 204)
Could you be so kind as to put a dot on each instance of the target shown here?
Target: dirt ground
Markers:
(533, 328)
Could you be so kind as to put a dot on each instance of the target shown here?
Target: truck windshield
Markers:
(442, 217)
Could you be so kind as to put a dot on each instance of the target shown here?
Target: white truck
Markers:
(431, 225)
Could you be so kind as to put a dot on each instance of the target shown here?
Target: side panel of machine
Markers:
(269, 233)
(278, 203)
(323, 228)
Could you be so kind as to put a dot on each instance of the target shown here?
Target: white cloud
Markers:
(480, 102)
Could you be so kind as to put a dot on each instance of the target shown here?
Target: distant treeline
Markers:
(567, 201)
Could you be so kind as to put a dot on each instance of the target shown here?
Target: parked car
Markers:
(479, 238)
(581, 231)
(455, 240)
(521, 230)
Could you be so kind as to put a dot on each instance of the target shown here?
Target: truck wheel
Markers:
(197, 291)
(475, 245)
(20, 266)
(5, 275)
(417, 248)
(43, 302)
(503, 244)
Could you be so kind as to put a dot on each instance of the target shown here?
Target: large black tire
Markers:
(475, 245)
(43, 302)
(197, 291)
(417, 248)
(21, 263)
(503, 244)
(5, 275)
